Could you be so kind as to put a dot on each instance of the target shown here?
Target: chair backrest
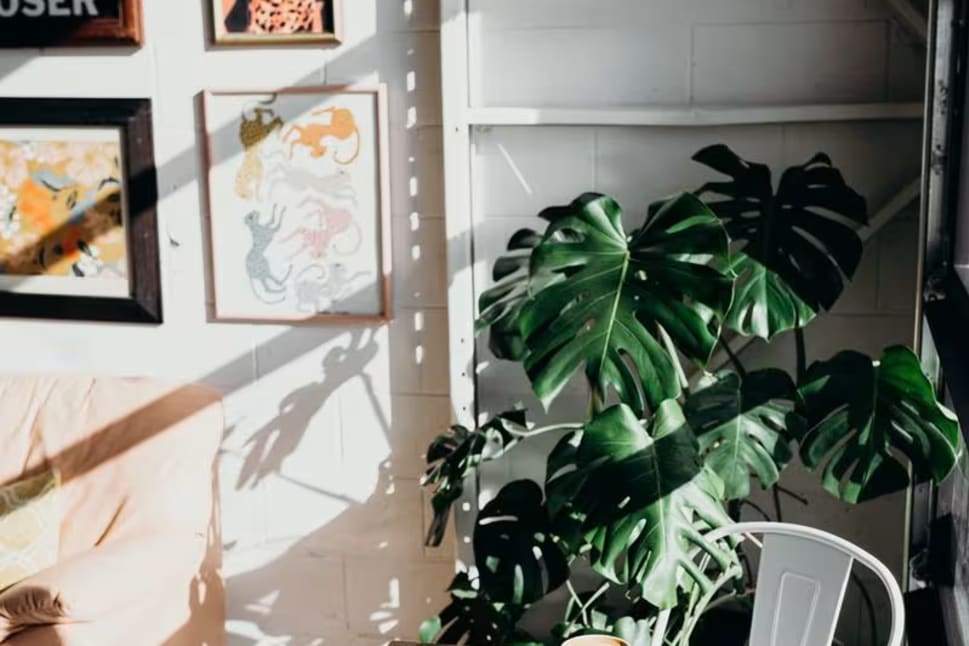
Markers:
(801, 584)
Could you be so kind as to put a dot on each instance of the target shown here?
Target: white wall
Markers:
(323, 516)
(622, 53)
(617, 52)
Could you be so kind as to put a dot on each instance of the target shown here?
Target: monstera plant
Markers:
(633, 489)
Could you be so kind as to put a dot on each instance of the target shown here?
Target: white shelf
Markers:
(693, 116)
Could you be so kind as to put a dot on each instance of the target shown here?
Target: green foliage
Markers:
(501, 305)
(742, 424)
(862, 414)
(619, 465)
(652, 550)
(473, 618)
(633, 490)
(617, 302)
(642, 500)
(798, 244)
(635, 632)
(453, 456)
(519, 561)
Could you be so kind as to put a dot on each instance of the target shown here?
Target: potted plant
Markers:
(658, 462)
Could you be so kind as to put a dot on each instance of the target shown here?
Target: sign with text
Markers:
(55, 23)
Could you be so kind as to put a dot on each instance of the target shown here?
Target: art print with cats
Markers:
(297, 191)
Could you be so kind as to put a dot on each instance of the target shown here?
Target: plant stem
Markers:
(693, 617)
(526, 435)
(578, 602)
(747, 569)
(595, 596)
(659, 631)
(778, 513)
(597, 400)
(584, 607)
(796, 496)
(734, 359)
(694, 598)
(801, 350)
(675, 358)
(758, 509)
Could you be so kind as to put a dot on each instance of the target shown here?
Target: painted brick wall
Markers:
(622, 53)
(322, 513)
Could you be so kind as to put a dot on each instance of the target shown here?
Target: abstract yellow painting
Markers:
(61, 206)
(78, 210)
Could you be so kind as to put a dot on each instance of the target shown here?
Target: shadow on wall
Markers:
(360, 552)
(349, 568)
(269, 446)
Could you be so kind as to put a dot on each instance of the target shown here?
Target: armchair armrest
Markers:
(103, 584)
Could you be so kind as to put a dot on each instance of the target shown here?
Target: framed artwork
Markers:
(298, 188)
(78, 227)
(254, 22)
(68, 23)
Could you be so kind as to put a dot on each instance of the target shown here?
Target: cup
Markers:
(595, 640)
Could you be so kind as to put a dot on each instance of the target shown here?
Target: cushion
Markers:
(30, 518)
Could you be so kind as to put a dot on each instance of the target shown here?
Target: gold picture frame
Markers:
(233, 24)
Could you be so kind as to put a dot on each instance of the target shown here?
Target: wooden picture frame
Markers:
(116, 23)
(327, 26)
(134, 203)
(224, 166)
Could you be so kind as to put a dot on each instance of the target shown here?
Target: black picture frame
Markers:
(119, 23)
(134, 118)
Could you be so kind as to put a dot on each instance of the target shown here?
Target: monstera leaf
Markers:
(517, 558)
(473, 617)
(742, 427)
(764, 304)
(799, 245)
(626, 300)
(653, 547)
(454, 455)
(862, 414)
(614, 464)
(642, 499)
(501, 305)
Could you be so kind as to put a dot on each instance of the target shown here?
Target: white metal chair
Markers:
(801, 583)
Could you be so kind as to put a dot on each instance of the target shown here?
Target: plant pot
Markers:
(595, 640)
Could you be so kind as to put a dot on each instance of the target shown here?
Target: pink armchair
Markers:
(140, 548)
